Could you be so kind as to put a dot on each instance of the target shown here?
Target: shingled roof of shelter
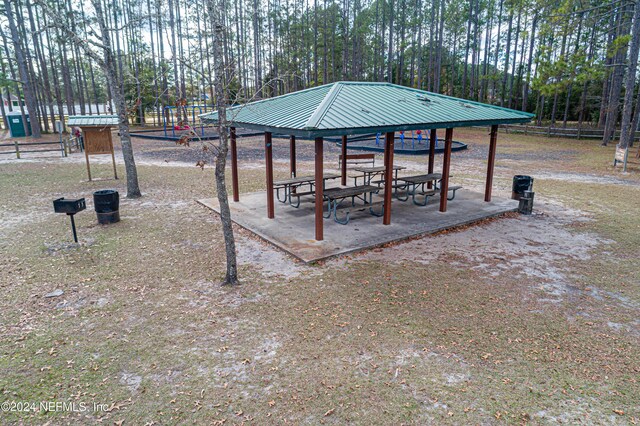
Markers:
(349, 108)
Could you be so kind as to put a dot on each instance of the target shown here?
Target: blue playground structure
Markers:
(419, 143)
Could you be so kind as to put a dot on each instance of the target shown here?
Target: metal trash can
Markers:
(520, 185)
(107, 205)
(526, 203)
(16, 126)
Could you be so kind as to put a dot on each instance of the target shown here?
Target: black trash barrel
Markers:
(520, 184)
(526, 203)
(107, 205)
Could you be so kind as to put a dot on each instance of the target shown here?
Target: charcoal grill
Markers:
(70, 207)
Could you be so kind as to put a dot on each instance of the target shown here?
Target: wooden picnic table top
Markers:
(351, 191)
(304, 179)
(375, 169)
(421, 178)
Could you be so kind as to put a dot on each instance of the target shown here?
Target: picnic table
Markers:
(368, 173)
(414, 185)
(336, 196)
(290, 187)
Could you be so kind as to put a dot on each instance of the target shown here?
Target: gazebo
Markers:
(351, 108)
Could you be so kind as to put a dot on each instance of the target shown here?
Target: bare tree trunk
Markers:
(505, 75)
(613, 107)
(635, 122)
(438, 71)
(21, 60)
(231, 277)
(525, 90)
(630, 81)
(117, 93)
(390, 54)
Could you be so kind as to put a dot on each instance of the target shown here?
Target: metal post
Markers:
(343, 164)
(292, 156)
(73, 227)
(17, 149)
(234, 166)
(388, 176)
(446, 163)
(433, 140)
(493, 138)
(319, 184)
(269, 161)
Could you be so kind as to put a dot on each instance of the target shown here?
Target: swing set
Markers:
(183, 110)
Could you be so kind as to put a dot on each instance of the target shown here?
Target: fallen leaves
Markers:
(329, 412)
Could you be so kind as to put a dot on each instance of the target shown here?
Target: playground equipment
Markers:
(181, 126)
(372, 142)
(402, 137)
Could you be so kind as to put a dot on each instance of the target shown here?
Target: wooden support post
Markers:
(319, 187)
(343, 164)
(113, 159)
(388, 176)
(433, 140)
(234, 166)
(446, 163)
(292, 156)
(269, 161)
(18, 150)
(86, 156)
(493, 138)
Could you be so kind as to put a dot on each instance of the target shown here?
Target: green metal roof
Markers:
(93, 120)
(349, 107)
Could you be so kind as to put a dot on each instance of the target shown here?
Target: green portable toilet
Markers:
(16, 127)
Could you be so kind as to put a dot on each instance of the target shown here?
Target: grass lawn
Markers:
(515, 320)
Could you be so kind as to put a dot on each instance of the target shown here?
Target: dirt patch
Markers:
(536, 247)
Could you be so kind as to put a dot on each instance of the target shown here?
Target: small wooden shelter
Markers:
(96, 132)
(352, 108)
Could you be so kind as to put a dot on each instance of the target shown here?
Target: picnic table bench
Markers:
(368, 173)
(414, 185)
(290, 186)
(357, 159)
(336, 196)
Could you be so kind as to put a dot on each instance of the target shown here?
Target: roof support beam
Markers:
(433, 141)
(269, 164)
(343, 164)
(446, 164)
(388, 176)
(319, 184)
(234, 166)
(493, 139)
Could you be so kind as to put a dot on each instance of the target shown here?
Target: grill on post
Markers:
(70, 207)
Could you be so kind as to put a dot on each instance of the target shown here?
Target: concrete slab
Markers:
(292, 230)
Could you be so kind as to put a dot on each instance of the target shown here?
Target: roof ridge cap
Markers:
(323, 107)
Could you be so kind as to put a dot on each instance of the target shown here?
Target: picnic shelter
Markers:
(355, 108)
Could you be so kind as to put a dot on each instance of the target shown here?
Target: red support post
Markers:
(319, 187)
(389, 142)
(292, 156)
(433, 140)
(234, 166)
(269, 160)
(343, 164)
(493, 139)
(446, 164)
